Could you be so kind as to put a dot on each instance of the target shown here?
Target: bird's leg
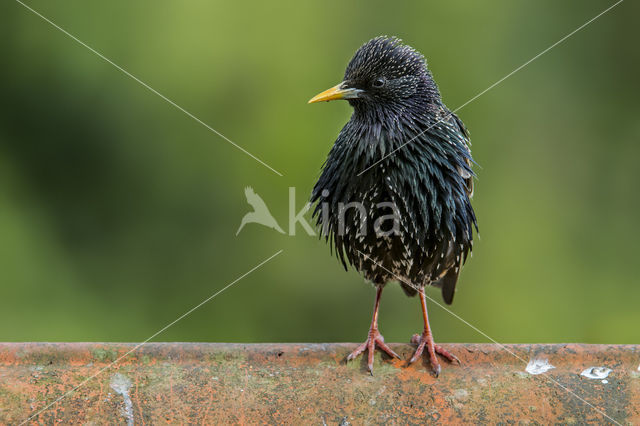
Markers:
(374, 338)
(426, 339)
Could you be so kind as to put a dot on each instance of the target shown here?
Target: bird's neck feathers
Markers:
(390, 112)
(396, 117)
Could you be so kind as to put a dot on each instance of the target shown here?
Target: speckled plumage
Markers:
(429, 179)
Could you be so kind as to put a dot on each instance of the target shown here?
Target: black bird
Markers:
(394, 195)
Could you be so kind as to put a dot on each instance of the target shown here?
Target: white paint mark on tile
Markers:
(596, 372)
(538, 366)
(121, 384)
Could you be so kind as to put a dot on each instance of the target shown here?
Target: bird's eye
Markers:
(378, 82)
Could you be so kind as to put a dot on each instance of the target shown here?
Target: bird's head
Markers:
(383, 72)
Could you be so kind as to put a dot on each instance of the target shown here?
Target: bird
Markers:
(260, 213)
(403, 161)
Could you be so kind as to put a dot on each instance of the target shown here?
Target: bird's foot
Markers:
(426, 340)
(374, 339)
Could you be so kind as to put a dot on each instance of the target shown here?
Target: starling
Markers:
(393, 198)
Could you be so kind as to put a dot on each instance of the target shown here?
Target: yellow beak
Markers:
(336, 92)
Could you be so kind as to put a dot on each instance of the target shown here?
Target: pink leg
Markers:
(374, 338)
(426, 339)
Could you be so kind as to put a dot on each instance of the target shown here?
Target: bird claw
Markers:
(433, 349)
(374, 339)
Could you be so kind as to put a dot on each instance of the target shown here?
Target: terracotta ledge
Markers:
(310, 383)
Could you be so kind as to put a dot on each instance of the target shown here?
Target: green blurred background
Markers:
(118, 212)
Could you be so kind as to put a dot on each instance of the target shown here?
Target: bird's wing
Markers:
(254, 199)
(468, 177)
(248, 192)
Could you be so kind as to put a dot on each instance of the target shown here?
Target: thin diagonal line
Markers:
(415, 287)
(151, 89)
(85, 381)
(446, 117)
